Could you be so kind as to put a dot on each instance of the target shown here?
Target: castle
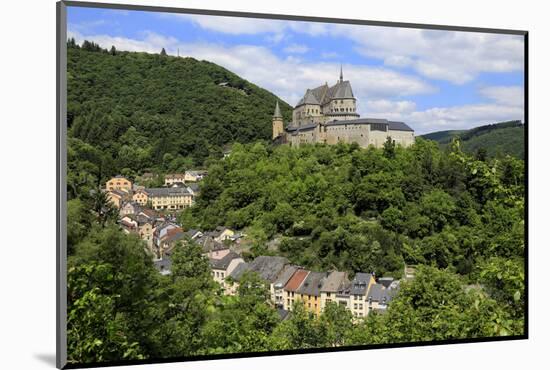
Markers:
(328, 115)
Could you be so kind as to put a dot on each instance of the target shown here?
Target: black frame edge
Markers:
(61, 196)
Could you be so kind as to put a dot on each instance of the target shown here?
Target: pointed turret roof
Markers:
(341, 73)
(277, 113)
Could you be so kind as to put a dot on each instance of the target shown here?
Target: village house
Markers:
(147, 176)
(128, 224)
(267, 267)
(309, 291)
(360, 285)
(335, 282)
(193, 234)
(116, 197)
(172, 178)
(159, 236)
(141, 197)
(221, 234)
(380, 294)
(170, 198)
(232, 282)
(119, 183)
(129, 208)
(209, 245)
(145, 230)
(194, 176)
(291, 287)
(222, 265)
(279, 284)
(169, 240)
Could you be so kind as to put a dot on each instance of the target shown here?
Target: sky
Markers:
(433, 80)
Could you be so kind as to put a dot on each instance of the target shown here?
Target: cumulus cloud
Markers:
(452, 56)
(444, 118)
(508, 95)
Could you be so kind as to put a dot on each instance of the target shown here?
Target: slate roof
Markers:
(360, 283)
(283, 314)
(399, 126)
(277, 113)
(324, 94)
(173, 235)
(164, 266)
(343, 91)
(268, 267)
(239, 270)
(309, 98)
(167, 192)
(385, 281)
(296, 280)
(209, 244)
(224, 262)
(312, 284)
(334, 281)
(285, 276)
(309, 126)
(191, 233)
(377, 293)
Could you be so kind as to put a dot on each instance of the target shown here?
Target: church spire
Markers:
(341, 73)
(277, 113)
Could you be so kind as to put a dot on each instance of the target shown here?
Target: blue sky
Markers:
(432, 80)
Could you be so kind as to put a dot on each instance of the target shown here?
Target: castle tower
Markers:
(277, 122)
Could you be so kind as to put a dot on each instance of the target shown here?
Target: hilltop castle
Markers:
(328, 115)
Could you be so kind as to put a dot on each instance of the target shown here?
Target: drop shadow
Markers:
(47, 358)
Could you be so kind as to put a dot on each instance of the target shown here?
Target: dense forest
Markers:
(457, 217)
(459, 220)
(494, 140)
(133, 112)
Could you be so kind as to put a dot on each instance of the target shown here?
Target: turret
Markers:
(277, 122)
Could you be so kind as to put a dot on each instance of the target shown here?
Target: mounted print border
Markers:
(260, 254)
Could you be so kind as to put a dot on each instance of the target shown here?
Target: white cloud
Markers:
(445, 118)
(232, 25)
(296, 49)
(508, 95)
(452, 56)
(385, 106)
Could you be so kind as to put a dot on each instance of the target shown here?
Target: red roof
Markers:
(296, 280)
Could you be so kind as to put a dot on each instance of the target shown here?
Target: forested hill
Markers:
(178, 107)
(495, 139)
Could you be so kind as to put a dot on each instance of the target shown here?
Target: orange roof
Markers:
(296, 280)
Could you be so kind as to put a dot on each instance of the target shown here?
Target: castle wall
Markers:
(348, 134)
(403, 138)
(352, 133)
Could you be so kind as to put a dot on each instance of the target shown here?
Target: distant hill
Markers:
(497, 139)
(182, 107)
